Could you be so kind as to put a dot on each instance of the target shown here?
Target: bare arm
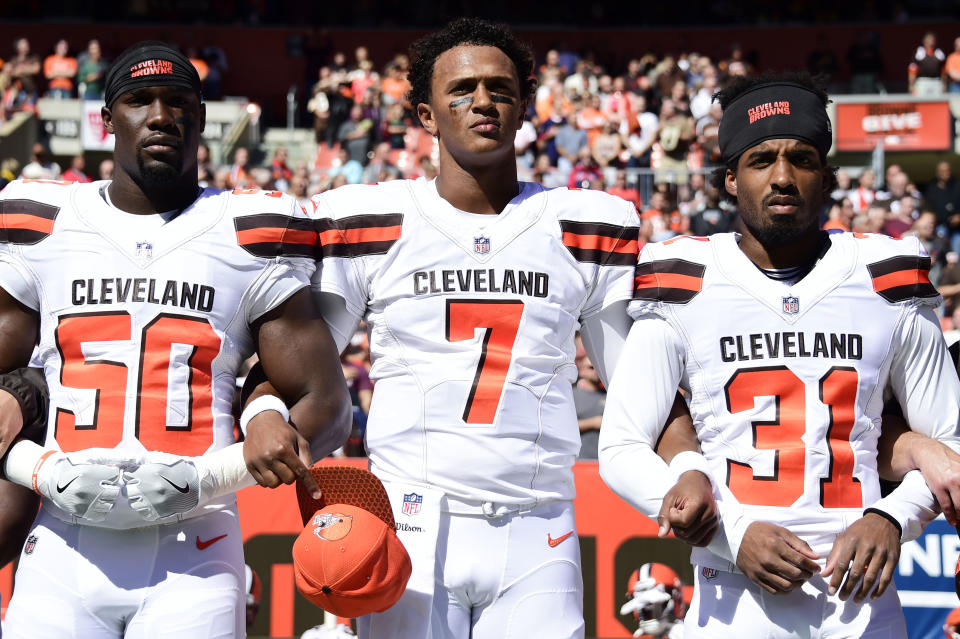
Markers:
(18, 508)
(300, 361)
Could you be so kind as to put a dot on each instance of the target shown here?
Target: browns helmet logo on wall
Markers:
(332, 526)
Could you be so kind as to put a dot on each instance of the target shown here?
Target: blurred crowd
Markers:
(64, 73)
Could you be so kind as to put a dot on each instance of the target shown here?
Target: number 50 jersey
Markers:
(145, 321)
(472, 321)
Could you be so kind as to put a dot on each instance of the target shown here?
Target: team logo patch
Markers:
(144, 250)
(791, 305)
(332, 526)
(481, 245)
(411, 503)
(709, 573)
(30, 545)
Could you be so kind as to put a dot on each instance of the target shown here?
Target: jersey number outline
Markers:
(109, 380)
(500, 321)
(784, 435)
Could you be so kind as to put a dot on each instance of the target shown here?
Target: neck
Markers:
(477, 189)
(796, 253)
(132, 197)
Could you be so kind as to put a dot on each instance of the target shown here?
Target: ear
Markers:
(107, 118)
(730, 182)
(425, 113)
(523, 111)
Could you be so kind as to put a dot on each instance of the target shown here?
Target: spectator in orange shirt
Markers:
(394, 85)
(203, 69)
(660, 217)
(840, 217)
(60, 70)
(240, 177)
(623, 191)
(279, 170)
(591, 119)
(952, 68)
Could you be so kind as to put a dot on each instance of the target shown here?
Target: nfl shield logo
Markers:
(791, 305)
(710, 573)
(481, 245)
(411, 503)
(144, 250)
(30, 545)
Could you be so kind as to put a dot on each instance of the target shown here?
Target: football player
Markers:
(145, 294)
(786, 339)
(473, 286)
(656, 601)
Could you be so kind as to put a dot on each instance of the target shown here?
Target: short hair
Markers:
(470, 31)
(740, 85)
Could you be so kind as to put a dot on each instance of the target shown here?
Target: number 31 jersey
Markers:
(144, 321)
(787, 382)
(472, 321)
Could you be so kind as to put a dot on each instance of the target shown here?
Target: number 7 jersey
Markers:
(144, 321)
(472, 321)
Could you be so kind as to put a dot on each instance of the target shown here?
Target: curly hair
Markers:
(740, 85)
(472, 31)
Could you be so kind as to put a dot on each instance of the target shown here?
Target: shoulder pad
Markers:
(360, 219)
(662, 275)
(899, 269)
(270, 224)
(29, 208)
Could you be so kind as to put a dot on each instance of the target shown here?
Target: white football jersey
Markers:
(143, 321)
(472, 321)
(787, 382)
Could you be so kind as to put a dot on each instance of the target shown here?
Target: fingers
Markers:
(663, 518)
(854, 575)
(838, 565)
(944, 498)
(886, 576)
(804, 558)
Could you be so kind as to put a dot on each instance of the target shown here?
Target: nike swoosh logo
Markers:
(183, 489)
(553, 543)
(60, 488)
(203, 545)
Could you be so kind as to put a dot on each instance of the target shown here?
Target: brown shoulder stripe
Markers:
(276, 235)
(26, 221)
(601, 243)
(359, 235)
(675, 281)
(897, 279)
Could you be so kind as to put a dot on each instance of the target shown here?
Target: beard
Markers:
(158, 174)
(778, 231)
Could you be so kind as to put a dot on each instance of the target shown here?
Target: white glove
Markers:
(164, 485)
(85, 489)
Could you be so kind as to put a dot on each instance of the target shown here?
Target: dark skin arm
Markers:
(688, 508)
(298, 356)
(19, 328)
(18, 507)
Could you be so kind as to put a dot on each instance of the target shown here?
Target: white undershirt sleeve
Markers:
(639, 400)
(340, 320)
(603, 335)
(924, 380)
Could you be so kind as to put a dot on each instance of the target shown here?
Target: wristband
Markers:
(690, 460)
(260, 404)
(36, 469)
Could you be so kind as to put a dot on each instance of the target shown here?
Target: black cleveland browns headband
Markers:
(774, 111)
(149, 64)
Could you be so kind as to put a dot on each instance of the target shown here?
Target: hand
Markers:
(690, 510)
(940, 467)
(11, 420)
(74, 484)
(276, 453)
(872, 545)
(774, 558)
(163, 485)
